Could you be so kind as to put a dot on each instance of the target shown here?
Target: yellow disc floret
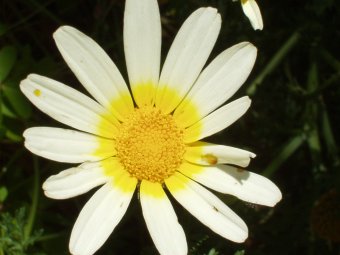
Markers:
(150, 145)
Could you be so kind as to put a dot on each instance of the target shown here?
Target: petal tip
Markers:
(47, 194)
(252, 11)
(64, 29)
(28, 132)
(210, 9)
(58, 31)
(57, 35)
(242, 238)
(276, 197)
(247, 101)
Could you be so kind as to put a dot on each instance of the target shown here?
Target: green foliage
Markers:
(12, 238)
(8, 55)
(16, 100)
(213, 252)
(3, 194)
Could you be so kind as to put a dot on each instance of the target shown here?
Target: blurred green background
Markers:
(293, 125)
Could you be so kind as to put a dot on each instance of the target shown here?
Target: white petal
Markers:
(67, 145)
(252, 11)
(75, 181)
(68, 106)
(218, 205)
(142, 45)
(211, 213)
(99, 217)
(161, 220)
(187, 56)
(212, 154)
(218, 82)
(240, 183)
(217, 120)
(94, 69)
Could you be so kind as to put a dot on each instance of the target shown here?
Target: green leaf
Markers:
(328, 135)
(17, 100)
(13, 129)
(213, 252)
(8, 56)
(13, 136)
(6, 111)
(312, 82)
(3, 193)
(331, 60)
(285, 153)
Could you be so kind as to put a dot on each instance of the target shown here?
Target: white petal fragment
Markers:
(240, 183)
(217, 120)
(211, 154)
(75, 181)
(98, 218)
(218, 205)
(142, 45)
(218, 82)
(187, 56)
(161, 220)
(207, 208)
(94, 69)
(252, 11)
(67, 105)
(65, 145)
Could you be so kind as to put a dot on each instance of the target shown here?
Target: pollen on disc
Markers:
(150, 145)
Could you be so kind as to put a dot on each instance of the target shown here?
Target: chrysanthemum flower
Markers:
(252, 11)
(149, 141)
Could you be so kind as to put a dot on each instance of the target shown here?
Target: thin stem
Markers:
(331, 60)
(35, 197)
(42, 8)
(285, 153)
(25, 19)
(50, 237)
(331, 81)
(274, 62)
(12, 160)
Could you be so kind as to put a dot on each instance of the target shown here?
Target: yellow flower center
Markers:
(150, 145)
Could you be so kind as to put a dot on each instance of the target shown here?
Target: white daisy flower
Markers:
(151, 138)
(252, 11)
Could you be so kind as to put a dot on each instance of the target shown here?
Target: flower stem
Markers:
(286, 152)
(50, 237)
(35, 196)
(274, 62)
